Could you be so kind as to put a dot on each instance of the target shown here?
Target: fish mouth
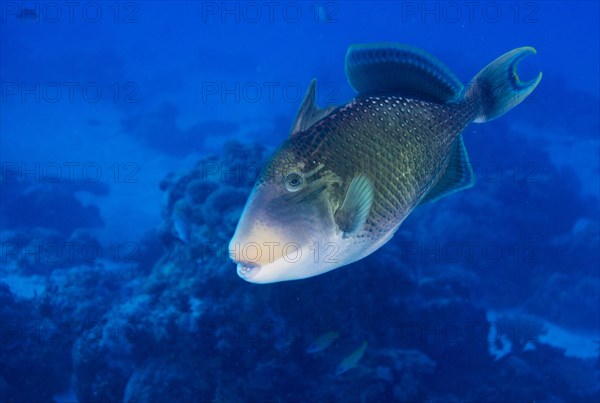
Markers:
(247, 270)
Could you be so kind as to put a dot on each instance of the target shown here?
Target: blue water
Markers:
(131, 134)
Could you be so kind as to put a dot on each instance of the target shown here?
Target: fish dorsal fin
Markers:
(352, 215)
(458, 175)
(309, 112)
(397, 69)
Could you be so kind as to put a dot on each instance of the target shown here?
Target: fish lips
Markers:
(302, 264)
(271, 272)
(250, 273)
(247, 270)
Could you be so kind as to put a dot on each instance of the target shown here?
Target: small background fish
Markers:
(322, 342)
(352, 360)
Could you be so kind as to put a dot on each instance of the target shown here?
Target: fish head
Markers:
(288, 221)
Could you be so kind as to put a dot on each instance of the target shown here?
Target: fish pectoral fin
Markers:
(352, 215)
(458, 175)
(309, 112)
(397, 69)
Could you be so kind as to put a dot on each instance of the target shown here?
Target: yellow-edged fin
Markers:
(497, 88)
(399, 69)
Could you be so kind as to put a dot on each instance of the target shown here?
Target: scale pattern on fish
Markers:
(340, 186)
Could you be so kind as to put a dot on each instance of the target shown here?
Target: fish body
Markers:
(351, 361)
(322, 342)
(343, 182)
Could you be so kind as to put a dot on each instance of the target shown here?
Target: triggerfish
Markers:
(340, 186)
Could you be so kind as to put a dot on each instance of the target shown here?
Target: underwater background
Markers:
(132, 133)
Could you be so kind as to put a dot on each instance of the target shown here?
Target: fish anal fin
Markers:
(458, 175)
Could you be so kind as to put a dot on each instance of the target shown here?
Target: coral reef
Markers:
(193, 331)
(35, 353)
(42, 202)
(173, 322)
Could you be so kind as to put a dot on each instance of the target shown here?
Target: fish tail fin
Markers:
(497, 88)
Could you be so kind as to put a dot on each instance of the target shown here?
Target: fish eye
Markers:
(293, 182)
